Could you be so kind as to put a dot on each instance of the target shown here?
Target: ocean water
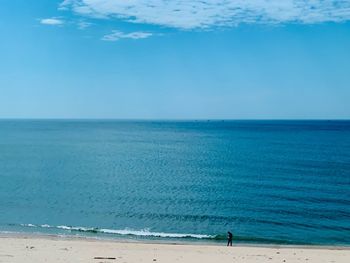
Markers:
(284, 182)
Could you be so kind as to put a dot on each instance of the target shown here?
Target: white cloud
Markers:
(83, 24)
(51, 21)
(186, 14)
(116, 35)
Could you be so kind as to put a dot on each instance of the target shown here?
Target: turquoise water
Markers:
(285, 182)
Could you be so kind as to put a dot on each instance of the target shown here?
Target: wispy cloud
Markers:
(83, 24)
(116, 35)
(51, 21)
(196, 14)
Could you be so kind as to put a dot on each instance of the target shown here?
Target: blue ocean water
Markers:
(285, 182)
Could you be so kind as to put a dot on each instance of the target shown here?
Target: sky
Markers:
(175, 59)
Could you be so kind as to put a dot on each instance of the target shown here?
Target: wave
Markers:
(146, 233)
(123, 232)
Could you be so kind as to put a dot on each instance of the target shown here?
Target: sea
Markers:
(268, 182)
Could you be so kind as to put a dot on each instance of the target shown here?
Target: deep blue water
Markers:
(267, 181)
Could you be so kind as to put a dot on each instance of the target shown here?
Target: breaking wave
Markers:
(146, 233)
(123, 232)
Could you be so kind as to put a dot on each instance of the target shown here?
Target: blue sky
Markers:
(177, 59)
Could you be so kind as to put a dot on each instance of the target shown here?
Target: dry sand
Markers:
(37, 249)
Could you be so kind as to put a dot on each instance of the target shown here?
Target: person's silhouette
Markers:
(229, 238)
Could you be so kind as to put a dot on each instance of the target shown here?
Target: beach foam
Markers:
(123, 232)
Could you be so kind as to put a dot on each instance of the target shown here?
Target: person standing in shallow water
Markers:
(229, 238)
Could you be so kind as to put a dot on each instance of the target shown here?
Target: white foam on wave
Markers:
(65, 227)
(80, 228)
(28, 225)
(147, 233)
(123, 232)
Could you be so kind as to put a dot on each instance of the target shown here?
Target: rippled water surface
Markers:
(267, 181)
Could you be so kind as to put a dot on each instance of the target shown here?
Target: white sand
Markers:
(36, 249)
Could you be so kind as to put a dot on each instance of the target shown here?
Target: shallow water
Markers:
(267, 181)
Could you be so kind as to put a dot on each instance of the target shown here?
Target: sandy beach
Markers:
(36, 249)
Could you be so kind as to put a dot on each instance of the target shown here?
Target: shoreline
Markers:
(67, 237)
(19, 248)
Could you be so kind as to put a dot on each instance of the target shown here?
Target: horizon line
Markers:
(179, 119)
